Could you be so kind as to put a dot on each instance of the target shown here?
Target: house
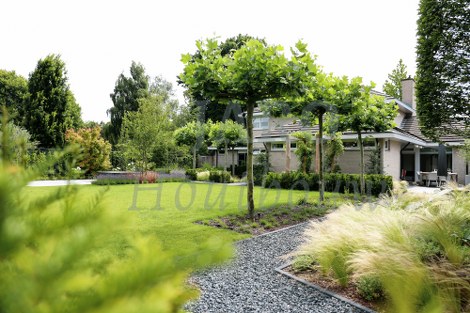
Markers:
(404, 150)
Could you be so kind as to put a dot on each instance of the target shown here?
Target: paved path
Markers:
(250, 284)
(48, 183)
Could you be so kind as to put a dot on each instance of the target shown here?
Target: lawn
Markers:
(168, 211)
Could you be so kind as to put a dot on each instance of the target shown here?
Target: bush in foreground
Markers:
(64, 253)
(417, 253)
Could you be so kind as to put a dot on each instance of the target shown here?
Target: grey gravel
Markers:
(249, 282)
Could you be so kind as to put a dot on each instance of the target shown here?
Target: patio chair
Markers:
(432, 177)
(441, 180)
(419, 181)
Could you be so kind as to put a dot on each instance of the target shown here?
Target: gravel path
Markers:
(250, 284)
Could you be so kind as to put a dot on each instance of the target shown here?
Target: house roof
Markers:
(411, 125)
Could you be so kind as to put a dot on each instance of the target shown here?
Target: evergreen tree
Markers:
(443, 71)
(126, 95)
(51, 108)
(13, 94)
(392, 86)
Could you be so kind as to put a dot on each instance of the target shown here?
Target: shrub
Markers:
(191, 174)
(370, 288)
(203, 176)
(148, 177)
(259, 172)
(219, 176)
(303, 263)
(83, 252)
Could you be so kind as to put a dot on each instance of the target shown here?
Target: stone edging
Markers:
(281, 271)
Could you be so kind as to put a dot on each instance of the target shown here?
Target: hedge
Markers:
(219, 176)
(334, 182)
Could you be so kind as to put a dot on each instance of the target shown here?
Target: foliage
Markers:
(392, 85)
(95, 150)
(361, 111)
(191, 173)
(169, 154)
(13, 94)
(228, 134)
(342, 183)
(254, 72)
(443, 74)
(82, 251)
(51, 108)
(207, 107)
(304, 151)
(143, 130)
(383, 242)
(20, 144)
(303, 263)
(125, 97)
(334, 149)
(219, 176)
(259, 174)
(370, 288)
(195, 135)
(374, 165)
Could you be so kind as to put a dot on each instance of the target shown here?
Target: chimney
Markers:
(408, 92)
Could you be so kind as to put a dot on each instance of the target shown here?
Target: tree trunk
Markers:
(249, 158)
(361, 151)
(194, 157)
(226, 156)
(321, 183)
(288, 153)
(233, 161)
(317, 153)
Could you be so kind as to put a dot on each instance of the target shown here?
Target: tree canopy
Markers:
(126, 95)
(392, 85)
(360, 111)
(254, 72)
(13, 94)
(443, 67)
(51, 108)
(95, 151)
(206, 108)
(144, 130)
(194, 135)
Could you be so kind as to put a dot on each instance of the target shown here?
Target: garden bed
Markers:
(270, 219)
(320, 282)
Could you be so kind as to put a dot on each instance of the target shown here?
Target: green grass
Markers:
(179, 206)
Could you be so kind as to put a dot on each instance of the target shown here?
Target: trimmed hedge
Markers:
(191, 174)
(334, 182)
(219, 176)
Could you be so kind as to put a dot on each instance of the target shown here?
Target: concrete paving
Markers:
(50, 183)
(423, 189)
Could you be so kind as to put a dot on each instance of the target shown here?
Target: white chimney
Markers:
(408, 92)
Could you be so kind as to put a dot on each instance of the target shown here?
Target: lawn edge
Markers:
(280, 270)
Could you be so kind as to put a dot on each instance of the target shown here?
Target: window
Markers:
(353, 145)
(277, 146)
(261, 123)
(293, 145)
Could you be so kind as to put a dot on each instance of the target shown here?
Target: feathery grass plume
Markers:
(419, 253)
(404, 278)
(67, 253)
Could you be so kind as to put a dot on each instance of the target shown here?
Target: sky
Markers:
(98, 39)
